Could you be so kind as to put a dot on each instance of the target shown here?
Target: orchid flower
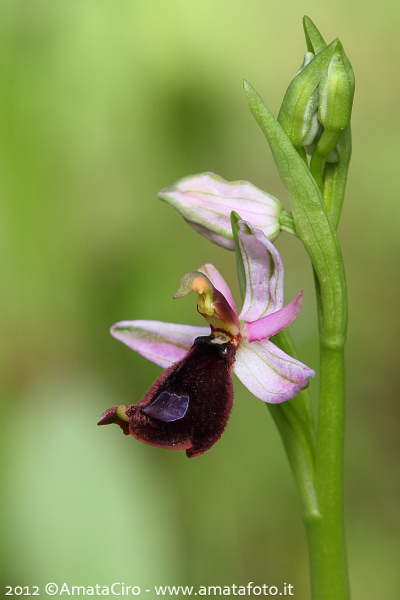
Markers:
(206, 201)
(189, 404)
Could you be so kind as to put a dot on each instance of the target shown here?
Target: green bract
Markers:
(314, 40)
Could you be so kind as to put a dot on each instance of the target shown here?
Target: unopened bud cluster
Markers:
(317, 106)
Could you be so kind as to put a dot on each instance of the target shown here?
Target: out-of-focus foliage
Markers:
(102, 105)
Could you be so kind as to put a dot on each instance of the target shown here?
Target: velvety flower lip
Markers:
(206, 201)
(188, 406)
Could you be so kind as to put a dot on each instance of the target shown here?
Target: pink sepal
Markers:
(162, 343)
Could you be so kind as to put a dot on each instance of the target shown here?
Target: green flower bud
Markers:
(298, 113)
(336, 91)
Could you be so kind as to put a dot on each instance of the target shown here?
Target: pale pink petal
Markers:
(162, 343)
(218, 282)
(264, 274)
(268, 326)
(269, 373)
(207, 200)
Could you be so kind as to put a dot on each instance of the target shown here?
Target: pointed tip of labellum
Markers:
(117, 415)
(188, 406)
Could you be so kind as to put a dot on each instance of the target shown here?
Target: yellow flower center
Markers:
(205, 297)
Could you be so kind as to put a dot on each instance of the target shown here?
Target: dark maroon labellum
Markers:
(188, 406)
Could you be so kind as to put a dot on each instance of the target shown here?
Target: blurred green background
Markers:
(103, 104)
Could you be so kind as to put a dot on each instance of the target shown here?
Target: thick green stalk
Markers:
(326, 533)
(326, 536)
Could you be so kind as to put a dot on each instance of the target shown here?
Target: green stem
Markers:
(326, 534)
(326, 531)
(321, 483)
